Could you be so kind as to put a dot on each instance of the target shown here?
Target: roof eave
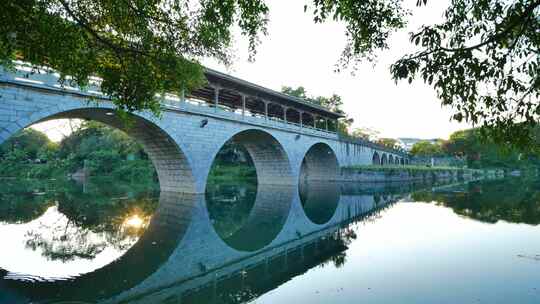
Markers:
(276, 94)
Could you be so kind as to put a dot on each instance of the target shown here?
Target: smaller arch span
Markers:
(267, 154)
(319, 164)
(376, 159)
(384, 159)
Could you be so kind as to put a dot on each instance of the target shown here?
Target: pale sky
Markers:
(298, 52)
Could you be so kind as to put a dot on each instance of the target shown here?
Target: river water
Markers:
(103, 241)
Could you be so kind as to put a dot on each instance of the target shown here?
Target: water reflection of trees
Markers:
(23, 201)
(67, 221)
(229, 205)
(515, 200)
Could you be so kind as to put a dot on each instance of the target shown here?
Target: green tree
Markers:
(333, 103)
(366, 133)
(485, 153)
(388, 142)
(299, 92)
(105, 150)
(482, 59)
(138, 48)
(31, 141)
(427, 149)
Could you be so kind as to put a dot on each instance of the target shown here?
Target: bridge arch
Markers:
(376, 159)
(391, 159)
(384, 159)
(267, 154)
(320, 163)
(172, 166)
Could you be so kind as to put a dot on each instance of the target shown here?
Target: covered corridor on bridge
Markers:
(228, 93)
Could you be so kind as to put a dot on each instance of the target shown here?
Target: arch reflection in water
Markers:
(248, 217)
(243, 279)
(164, 231)
(59, 229)
(319, 200)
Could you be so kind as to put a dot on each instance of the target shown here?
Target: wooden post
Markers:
(216, 98)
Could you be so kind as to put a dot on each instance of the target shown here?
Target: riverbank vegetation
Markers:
(516, 200)
(91, 150)
(476, 151)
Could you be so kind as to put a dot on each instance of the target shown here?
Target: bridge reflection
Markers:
(319, 200)
(183, 255)
(256, 217)
(166, 228)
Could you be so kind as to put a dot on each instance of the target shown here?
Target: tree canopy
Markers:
(333, 103)
(365, 133)
(482, 58)
(479, 152)
(139, 48)
(426, 148)
(388, 142)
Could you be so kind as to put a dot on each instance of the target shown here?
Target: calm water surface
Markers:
(105, 242)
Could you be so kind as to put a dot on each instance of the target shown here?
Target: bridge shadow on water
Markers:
(231, 245)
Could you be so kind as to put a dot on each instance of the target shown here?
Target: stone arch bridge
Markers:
(286, 137)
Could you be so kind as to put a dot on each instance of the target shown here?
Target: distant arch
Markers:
(376, 159)
(384, 159)
(391, 159)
